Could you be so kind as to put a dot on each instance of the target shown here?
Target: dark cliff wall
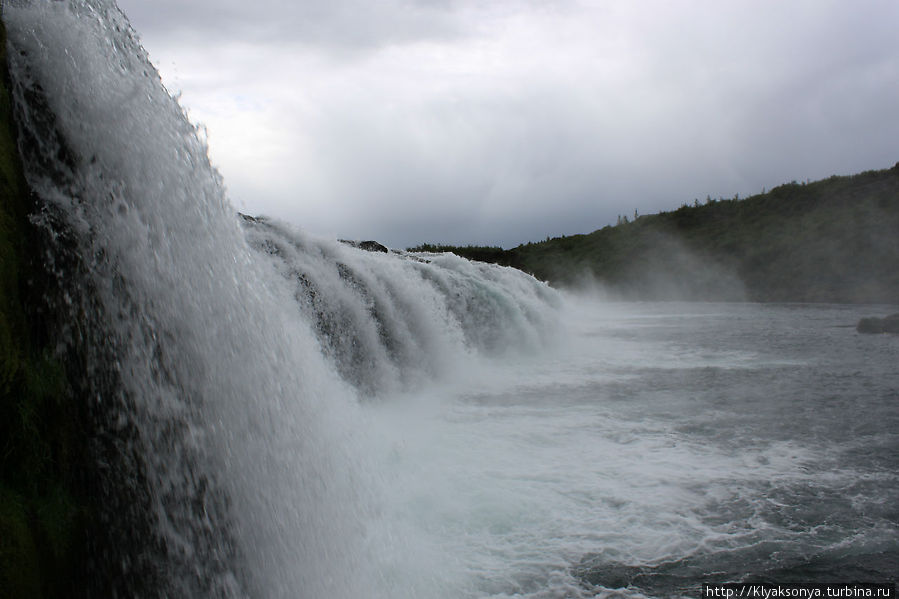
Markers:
(43, 441)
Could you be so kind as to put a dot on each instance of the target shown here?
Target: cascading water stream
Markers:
(387, 320)
(229, 354)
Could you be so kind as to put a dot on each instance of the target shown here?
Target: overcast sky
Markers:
(509, 121)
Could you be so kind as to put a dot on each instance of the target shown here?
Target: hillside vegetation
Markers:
(835, 240)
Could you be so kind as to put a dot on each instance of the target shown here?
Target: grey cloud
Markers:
(336, 25)
(617, 110)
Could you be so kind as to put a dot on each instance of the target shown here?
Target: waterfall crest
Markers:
(390, 319)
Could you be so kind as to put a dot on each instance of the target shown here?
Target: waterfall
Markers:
(226, 357)
(387, 319)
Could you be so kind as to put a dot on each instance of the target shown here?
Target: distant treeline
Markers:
(834, 240)
(482, 253)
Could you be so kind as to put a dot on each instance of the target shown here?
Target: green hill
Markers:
(835, 240)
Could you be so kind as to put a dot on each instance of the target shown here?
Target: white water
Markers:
(321, 421)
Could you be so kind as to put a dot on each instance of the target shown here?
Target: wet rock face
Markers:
(889, 324)
(369, 246)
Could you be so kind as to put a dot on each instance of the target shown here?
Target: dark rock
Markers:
(369, 246)
(889, 324)
(869, 325)
(45, 506)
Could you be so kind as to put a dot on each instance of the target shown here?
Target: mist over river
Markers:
(661, 446)
(284, 416)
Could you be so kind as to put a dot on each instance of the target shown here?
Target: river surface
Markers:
(660, 446)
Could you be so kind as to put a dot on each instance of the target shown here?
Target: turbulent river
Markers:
(290, 416)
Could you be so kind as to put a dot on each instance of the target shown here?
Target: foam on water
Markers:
(545, 482)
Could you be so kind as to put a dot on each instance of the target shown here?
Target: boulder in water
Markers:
(889, 324)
